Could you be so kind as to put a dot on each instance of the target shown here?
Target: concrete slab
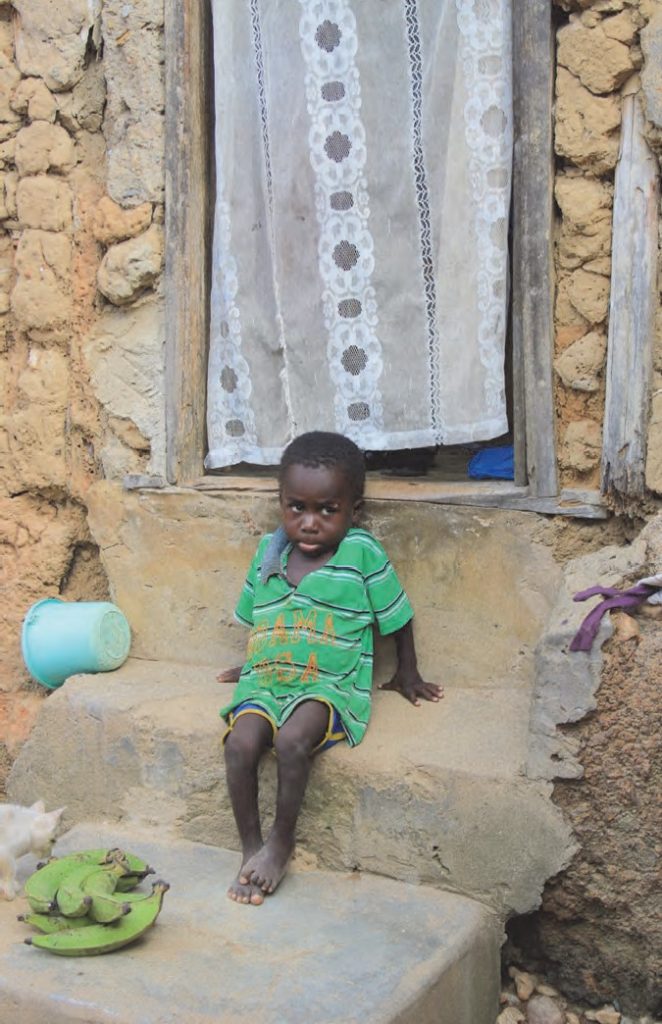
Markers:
(328, 948)
(434, 794)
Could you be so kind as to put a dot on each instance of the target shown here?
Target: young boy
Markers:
(313, 591)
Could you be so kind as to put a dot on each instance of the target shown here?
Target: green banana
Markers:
(71, 898)
(137, 869)
(49, 923)
(100, 886)
(40, 888)
(103, 938)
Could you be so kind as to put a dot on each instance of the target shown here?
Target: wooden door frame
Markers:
(189, 207)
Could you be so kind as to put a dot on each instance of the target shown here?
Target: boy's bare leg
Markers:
(244, 747)
(294, 744)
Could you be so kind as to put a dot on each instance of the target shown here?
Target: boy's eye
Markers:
(296, 506)
(329, 510)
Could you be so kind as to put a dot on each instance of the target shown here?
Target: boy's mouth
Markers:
(309, 548)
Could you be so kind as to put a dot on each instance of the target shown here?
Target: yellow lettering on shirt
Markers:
(257, 638)
(310, 673)
(279, 631)
(304, 623)
(264, 670)
(285, 670)
(329, 634)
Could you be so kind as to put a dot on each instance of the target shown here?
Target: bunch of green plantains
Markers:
(84, 904)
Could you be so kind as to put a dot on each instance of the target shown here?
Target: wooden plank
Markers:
(488, 494)
(631, 309)
(189, 201)
(533, 170)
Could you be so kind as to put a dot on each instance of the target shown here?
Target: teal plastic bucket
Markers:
(61, 638)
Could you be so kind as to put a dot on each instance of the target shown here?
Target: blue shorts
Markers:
(334, 730)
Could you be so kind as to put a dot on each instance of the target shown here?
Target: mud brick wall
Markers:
(604, 49)
(81, 328)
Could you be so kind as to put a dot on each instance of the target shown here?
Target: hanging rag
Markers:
(648, 589)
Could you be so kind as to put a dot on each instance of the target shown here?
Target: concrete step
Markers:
(482, 581)
(328, 948)
(434, 795)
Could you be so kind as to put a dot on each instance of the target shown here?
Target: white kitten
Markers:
(24, 830)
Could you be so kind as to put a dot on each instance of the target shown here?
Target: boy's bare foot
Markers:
(266, 868)
(241, 893)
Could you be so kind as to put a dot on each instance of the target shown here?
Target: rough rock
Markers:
(589, 294)
(42, 147)
(6, 271)
(565, 313)
(625, 627)
(113, 224)
(600, 61)
(651, 75)
(586, 227)
(33, 99)
(583, 200)
(654, 450)
(124, 355)
(8, 180)
(10, 76)
(41, 297)
(134, 123)
(511, 1015)
(130, 267)
(582, 446)
(543, 1010)
(580, 364)
(586, 125)
(7, 151)
(51, 39)
(82, 107)
(525, 983)
(44, 201)
(607, 1015)
(136, 161)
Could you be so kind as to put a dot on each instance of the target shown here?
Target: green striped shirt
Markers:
(314, 640)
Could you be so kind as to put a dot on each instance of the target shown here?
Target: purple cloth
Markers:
(613, 598)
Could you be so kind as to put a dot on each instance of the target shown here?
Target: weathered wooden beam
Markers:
(189, 203)
(533, 292)
(631, 309)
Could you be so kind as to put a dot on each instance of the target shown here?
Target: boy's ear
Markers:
(358, 508)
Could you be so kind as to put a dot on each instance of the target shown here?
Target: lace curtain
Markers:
(363, 163)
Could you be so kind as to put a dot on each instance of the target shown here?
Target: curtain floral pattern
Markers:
(360, 254)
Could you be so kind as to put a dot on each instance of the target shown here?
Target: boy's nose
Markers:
(309, 522)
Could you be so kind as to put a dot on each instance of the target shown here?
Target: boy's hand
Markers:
(229, 675)
(412, 687)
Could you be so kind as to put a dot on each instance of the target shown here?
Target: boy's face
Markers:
(318, 508)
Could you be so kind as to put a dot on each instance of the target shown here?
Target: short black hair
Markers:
(323, 448)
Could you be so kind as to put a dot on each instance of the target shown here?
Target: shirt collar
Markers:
(271, 563)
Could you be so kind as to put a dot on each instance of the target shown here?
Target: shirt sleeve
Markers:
(387, 598)
(243, 612)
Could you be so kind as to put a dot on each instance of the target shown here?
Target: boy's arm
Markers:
(229, 675)
(407, 679)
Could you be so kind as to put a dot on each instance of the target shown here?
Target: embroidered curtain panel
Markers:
(359, 281)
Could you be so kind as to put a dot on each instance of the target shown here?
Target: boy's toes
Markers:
(242, 892)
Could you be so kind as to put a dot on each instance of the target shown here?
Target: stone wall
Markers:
(81, 324)
(605, 48)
